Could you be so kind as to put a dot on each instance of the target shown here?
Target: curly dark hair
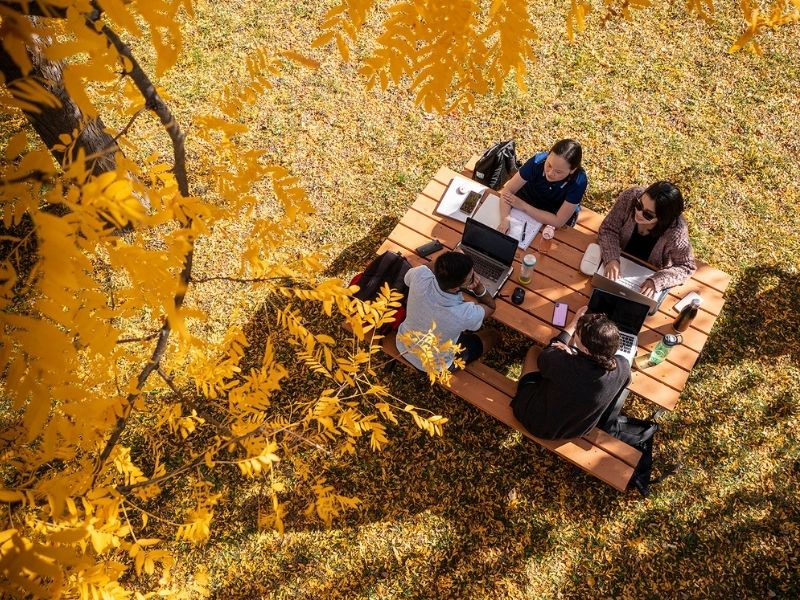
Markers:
(600, 336)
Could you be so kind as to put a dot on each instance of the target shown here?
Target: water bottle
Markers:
(526, 270)
(684, 319)
(547, 239)
(663, 347)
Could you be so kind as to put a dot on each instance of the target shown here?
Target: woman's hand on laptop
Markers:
(648, 288)
(612, 270)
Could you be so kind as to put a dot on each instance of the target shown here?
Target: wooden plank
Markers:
(597, 437)
(628, 454)
(539, 327)
(581, 452)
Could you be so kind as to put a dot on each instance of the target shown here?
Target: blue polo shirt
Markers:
(546, 195)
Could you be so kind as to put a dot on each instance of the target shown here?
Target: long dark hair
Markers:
(570, 151)
(600, 336)
(669, 205)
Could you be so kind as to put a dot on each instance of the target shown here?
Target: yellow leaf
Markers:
(343, 49)
(11, 496)
(16, 145)
(323, 40)
(68, 536)
(299, 58)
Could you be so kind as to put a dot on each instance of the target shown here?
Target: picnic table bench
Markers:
(557, 279)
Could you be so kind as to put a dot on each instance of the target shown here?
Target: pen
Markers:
(524, 229)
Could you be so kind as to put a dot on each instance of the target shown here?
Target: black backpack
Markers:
(497, 165)
(639, 434)
(391, 268)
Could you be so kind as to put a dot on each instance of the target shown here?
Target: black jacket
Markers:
(570, 394)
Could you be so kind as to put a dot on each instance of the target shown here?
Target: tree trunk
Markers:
(51, 122)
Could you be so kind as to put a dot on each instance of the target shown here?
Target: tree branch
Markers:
(153, 102)
(138, 339)
(237, 279)
(200, 411)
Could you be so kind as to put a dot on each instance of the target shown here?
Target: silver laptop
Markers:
(628, 315)
(492, 253)
(632, 275)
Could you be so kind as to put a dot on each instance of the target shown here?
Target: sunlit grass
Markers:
(482, 513)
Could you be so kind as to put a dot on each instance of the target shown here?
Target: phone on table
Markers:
(560, 314)
(470, 202)
(429, 248)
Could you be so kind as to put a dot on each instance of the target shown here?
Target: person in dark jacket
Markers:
(565, 389)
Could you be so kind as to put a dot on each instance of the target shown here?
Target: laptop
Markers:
(631, 276)
(492, 253)
(628, 315)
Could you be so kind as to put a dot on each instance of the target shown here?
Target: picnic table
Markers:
(558, 279)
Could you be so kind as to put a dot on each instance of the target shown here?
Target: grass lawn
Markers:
(480, 512)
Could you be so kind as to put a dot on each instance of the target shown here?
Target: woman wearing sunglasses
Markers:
(647, 224)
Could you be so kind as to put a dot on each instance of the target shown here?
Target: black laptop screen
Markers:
(629, 315)
(489, 241)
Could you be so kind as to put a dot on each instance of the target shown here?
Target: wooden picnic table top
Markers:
(557, 279)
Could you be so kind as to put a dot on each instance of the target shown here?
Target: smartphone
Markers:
(470, 202)
(429, 248)
(560, 314)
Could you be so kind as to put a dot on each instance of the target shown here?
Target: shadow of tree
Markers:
(761, 317)
(359, 253)
(466, 515)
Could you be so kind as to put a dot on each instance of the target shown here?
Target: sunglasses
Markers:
(645, 213)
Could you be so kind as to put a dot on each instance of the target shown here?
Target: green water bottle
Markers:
(663, 347)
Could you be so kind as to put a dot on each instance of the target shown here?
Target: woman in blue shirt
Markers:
(549, 187)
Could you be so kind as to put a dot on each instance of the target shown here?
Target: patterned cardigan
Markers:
(672, 254)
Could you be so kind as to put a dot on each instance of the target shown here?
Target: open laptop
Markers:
(628, 315)
(492, 253)
(631, 277)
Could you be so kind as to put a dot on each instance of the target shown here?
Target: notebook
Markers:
(488, 212)
(492, 253)
(628, 315)
(631, 276)
(523, 227)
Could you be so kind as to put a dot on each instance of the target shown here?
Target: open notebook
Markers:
(523, 227)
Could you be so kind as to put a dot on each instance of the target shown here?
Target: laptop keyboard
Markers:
(625, 343)
(485, 268)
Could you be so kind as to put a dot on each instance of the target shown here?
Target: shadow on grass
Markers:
(470, 513)
(469, 499)
(356, 256)
(761, 318)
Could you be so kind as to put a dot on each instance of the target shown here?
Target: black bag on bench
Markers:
(388, 268)
(639, 434)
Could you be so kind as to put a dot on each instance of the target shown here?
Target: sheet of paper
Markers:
(517, 227)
